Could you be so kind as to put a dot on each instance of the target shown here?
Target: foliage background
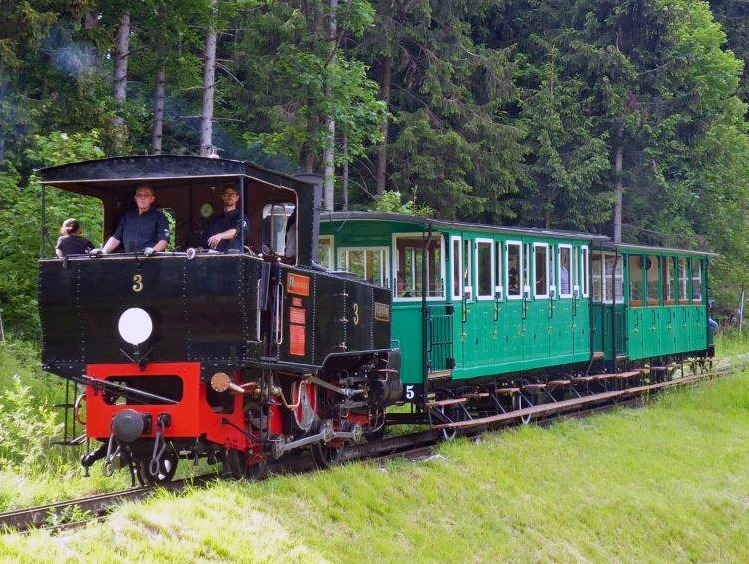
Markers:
(503, 111)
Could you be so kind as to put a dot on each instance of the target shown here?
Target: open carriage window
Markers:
(368, 263)
(635, 281)
(514, 263)
(484, 268)
(408, 266)
(325, 251)
(540, 271)
(696, 280)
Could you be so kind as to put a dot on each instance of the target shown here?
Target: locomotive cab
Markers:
(242, 355)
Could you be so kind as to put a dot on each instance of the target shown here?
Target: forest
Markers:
(627, 118)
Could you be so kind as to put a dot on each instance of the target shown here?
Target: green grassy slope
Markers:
(670, 482)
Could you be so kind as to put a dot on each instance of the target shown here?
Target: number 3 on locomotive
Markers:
(137, 283)
(356, 314)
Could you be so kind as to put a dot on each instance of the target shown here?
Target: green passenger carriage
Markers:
(498, 300)
(492, 319)
(649, 302)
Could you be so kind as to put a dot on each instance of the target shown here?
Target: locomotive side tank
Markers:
(240, 356)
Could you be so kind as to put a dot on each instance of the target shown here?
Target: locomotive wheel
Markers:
(238, 464)
(166, 471)
(327, 455)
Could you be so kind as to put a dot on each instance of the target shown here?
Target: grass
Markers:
(666, 483)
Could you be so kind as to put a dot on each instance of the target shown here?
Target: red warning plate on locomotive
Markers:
(297, 340)
(297, 284)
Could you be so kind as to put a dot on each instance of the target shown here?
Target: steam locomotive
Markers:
(236, 357)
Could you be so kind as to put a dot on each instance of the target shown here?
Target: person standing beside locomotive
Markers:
(70, 241)
(222, 233)
(144, 229)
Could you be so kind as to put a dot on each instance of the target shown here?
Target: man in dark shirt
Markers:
(224, 230)
(145, 229)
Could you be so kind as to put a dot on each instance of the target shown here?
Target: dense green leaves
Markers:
(512, 111)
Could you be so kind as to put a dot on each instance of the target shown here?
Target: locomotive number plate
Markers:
(381, 312)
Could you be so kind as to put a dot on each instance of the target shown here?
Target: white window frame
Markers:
(570, 271)
(385, 277)
(456, 289)
(478, 243)
(499, 288)
(534, 276)
(439, 277)
(683, 266)
(468, 274)
(584, 271)
(605, 279)
(521, 281)
(696, 268)
(332, 257)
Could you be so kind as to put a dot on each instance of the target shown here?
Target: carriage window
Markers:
(607, 277)
(565, 260)
(368, 263)
(541, 273)
(499, 288)
(614, 273)
(408, 262)
(457, 260)
(669, 280)
(325, 251)
(585, 271)
(696, 280)
(683, 277)
(653, 269)
(597, 266)
(467, 283)
(635, 281)
(484, 269)
(514, 270)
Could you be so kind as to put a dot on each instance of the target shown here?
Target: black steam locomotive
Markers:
(239, 357)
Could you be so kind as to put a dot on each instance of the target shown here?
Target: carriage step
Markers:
(534, 387)
(558, 383)
(440, 375)
(477, 395)
(627, 375)
(510, 391)
(583, 379)
(446, 403)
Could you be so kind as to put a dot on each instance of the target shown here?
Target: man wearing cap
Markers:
(144, 229)
(223, 231)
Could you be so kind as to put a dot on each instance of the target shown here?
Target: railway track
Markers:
(65, 515)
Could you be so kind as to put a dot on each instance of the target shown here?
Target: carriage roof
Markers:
(425, 222)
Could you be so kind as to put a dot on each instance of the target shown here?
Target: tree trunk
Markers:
(158, 110)
(344, 148)
(329, 151)
(120, 79)
(387, 71)
(619, 193)
(209, 86)
(4, 121)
